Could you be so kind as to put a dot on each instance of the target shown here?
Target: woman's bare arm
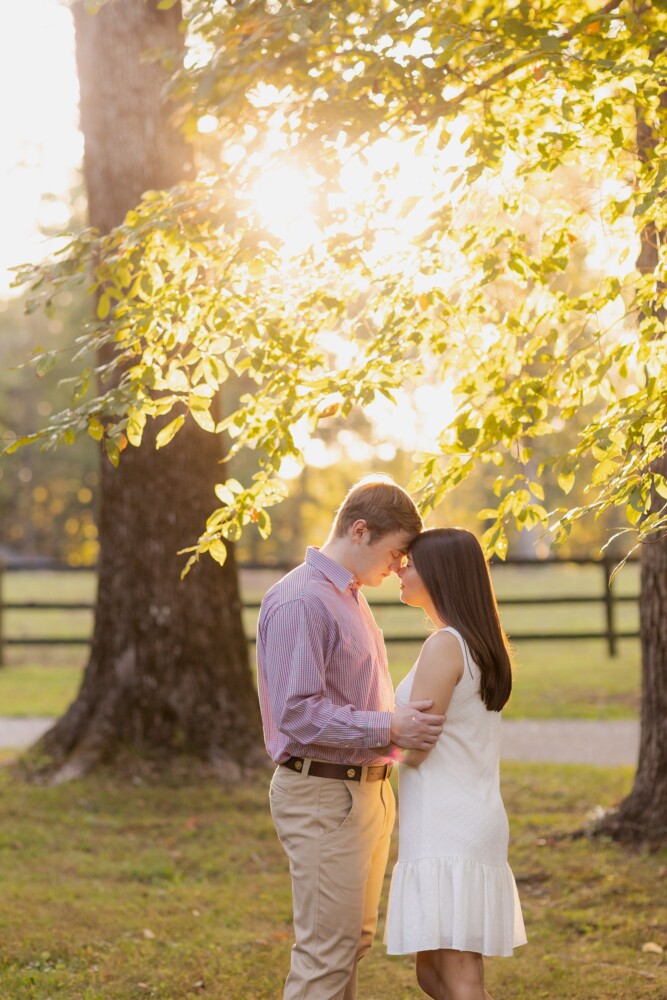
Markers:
(439, 669)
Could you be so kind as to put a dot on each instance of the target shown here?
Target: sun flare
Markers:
(282, 199)
(390, 187)
(385, 192)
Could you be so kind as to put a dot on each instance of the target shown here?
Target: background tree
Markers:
(482, 276)
(646, 807)
(168, 667)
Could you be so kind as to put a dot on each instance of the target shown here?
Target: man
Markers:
(328, 711)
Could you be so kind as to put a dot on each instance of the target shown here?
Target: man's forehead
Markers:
(399, 541)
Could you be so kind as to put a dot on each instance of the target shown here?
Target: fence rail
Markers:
(611, 633)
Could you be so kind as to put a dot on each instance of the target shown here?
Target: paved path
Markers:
(572, 741)
(17, 733)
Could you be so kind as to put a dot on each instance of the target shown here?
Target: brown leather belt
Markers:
(346, 772)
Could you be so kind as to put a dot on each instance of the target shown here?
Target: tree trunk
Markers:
(642, 816)
(168, 669)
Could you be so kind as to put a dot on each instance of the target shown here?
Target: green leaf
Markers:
(549, 43)
(660, 485)
(494, 540)
(45, 363)
(103, 306)
(113, 452)
(157, 278)
(168, 432)
(231, 531)
(218, 550)
(224, 494)
(501, 545)
(566, 481)
(177, 380)
(264, 524)
(19, 443)
(199, 400)
(535, 514)
(468, 436)
(204, 419)
(603, 471)
(95, 429)
(135, 427)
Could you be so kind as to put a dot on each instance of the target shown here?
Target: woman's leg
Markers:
(451, 975)
(427, 975)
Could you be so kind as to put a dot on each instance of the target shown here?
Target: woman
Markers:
(453, 897)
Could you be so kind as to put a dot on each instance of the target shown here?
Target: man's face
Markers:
(379, 558)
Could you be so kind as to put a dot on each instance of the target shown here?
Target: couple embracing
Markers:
(334, 728)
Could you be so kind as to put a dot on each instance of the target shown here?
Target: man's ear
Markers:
(359, 531)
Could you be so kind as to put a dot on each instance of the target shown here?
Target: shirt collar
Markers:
(341, 578)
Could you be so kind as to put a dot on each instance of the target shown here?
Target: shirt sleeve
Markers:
(298, 641)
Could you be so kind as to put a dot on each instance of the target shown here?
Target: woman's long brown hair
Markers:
(451, 564)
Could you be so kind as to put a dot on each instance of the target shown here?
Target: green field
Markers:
(132, 886)
(554, 679)
(129, 888)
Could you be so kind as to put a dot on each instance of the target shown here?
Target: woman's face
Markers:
(413, 591)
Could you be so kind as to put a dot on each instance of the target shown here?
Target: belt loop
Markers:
(307, 761)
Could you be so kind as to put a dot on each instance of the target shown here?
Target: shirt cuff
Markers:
(379, 729)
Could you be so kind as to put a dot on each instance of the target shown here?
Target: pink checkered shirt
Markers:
(323, 679)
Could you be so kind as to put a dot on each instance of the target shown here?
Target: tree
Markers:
(485, 273)
(168, 667)
(645, 809)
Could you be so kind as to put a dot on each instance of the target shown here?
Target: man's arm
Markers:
(298, 640)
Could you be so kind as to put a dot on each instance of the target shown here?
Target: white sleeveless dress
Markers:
(452, 886)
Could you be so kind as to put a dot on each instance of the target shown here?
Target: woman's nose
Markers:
(400, 570)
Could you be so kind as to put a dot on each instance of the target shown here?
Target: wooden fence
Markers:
(606, 596)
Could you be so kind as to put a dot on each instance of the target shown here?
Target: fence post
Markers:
(609, 606)
(2, 602)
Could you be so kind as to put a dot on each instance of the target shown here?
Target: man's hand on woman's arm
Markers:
(413, 728)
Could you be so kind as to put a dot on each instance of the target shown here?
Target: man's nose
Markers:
(398, 569)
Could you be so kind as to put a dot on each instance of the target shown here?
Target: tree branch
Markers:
(530, 57)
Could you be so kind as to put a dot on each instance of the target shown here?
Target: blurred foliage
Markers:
(508, 278)
(47, 498)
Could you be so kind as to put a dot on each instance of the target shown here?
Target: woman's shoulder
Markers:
(443, 638)
(446, 639)
(442, 647)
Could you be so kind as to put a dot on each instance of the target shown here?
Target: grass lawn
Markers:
(554, 679)
(565, 680)
(115, 890)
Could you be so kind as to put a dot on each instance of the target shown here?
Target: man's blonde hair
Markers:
(382, 504)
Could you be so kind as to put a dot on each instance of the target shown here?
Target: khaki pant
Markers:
(336, 836)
